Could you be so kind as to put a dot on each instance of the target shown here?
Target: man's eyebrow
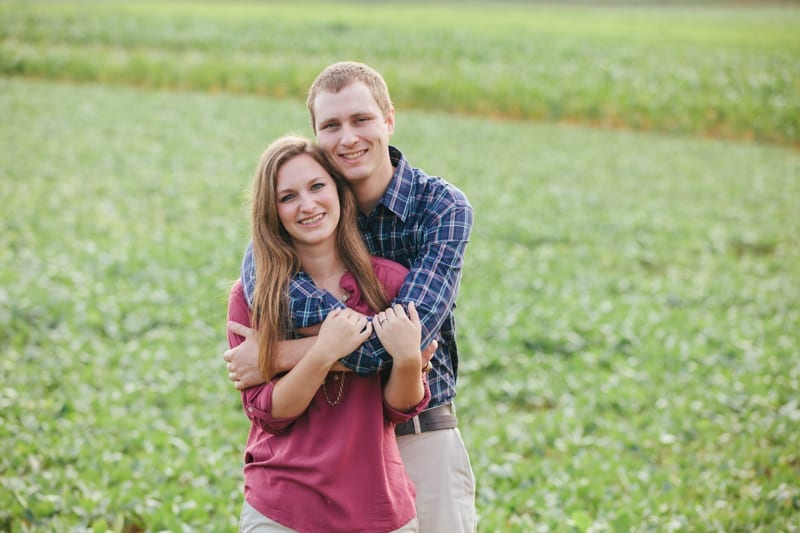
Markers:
(363, 113)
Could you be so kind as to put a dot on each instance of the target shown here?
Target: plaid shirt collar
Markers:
(401, 188)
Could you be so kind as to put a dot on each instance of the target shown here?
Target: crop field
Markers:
(629, 314)
(709, 70)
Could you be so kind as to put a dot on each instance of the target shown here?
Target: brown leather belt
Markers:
(442, 417)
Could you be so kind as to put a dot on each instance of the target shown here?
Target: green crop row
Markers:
(628, 318)
(715, 71)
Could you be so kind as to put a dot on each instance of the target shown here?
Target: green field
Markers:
(628, 319)
(723, 71)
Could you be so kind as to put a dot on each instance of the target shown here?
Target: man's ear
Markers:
(390, 120)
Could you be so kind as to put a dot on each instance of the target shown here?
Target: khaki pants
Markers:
(252, 521)
(438, 464)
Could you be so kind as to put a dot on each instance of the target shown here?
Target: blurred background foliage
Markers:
(628, 315)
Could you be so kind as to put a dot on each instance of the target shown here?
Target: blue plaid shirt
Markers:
(421, 222)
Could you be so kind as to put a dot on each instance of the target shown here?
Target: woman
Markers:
(321, 454)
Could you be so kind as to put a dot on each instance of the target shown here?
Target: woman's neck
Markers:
(324, 265)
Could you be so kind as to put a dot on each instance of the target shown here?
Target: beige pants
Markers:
(438, 464)
(252, 521)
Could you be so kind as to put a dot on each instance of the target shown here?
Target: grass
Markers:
(710, 70)
(628, 316)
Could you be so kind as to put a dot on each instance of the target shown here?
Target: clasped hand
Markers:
(242, 360)
(342, 331)
(400, 333)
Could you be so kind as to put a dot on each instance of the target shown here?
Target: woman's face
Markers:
(308, 202)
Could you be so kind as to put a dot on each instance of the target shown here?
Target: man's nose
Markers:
(349, 136)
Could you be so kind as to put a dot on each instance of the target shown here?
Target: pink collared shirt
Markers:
(333, 468)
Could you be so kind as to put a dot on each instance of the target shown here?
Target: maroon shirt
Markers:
(333, 468)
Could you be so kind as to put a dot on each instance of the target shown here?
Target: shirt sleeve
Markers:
(398, 417)
(308, 304)
(256, 401)
(432, 283)
(248, 279)
(435, 275)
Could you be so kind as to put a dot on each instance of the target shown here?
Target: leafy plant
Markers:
(710, 70)
(628, 318)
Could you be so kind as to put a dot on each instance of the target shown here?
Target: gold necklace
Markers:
(338, 376)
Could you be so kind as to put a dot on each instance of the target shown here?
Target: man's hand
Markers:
(242, 360)
(427, 355)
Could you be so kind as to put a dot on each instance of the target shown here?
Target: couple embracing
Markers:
(341, 328)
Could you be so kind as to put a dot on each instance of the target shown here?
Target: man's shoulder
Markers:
(436, 190)
(426, 194)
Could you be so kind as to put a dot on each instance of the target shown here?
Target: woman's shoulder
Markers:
(236, 290)
(390, 274)
(387, 268)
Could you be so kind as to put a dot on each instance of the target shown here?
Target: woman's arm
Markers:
(341, 332)
(400, 335)
(255, 399)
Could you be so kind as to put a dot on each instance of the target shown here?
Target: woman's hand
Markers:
(341, 333)
(400, 333)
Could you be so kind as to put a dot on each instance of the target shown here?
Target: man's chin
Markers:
(354, 174)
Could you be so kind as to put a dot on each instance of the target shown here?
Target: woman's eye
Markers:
(317, 186)
(286, 198)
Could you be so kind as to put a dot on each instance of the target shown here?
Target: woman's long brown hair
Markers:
(275, 259)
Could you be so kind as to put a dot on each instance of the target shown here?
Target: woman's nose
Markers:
(306, 203)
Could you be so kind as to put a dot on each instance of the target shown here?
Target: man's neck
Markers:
(370, 191)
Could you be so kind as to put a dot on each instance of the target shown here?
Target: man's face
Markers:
(353, 132)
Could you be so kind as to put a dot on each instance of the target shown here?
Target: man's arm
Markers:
(308, 305)
(242, 359)
(433, 282)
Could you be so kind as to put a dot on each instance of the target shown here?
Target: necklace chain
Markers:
(340, 378)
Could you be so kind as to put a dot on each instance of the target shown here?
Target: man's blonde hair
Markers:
(340, 75)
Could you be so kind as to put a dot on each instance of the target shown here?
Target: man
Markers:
(419, 221)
